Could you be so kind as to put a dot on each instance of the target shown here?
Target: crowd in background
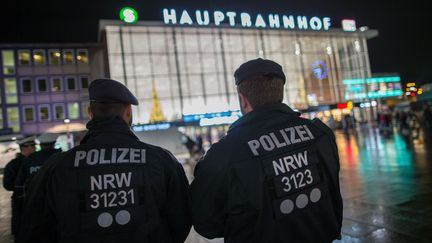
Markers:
(411, 124)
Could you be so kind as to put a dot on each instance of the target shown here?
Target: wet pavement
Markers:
(386, 185)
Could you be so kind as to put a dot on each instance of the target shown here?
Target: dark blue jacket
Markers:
(273, 178)
(110, 188)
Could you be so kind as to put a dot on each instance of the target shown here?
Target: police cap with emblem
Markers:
(110, 91)
(47, 138)
(27, 141)
(258, 67)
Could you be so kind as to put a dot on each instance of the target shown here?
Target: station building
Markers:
(190, 60)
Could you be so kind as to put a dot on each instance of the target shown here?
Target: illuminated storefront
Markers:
(189, 58)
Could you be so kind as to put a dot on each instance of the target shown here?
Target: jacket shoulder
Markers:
(322, 127)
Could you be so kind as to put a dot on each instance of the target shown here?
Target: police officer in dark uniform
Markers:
(274, 176)
(34, 162)
(27, 147)
(110, 188)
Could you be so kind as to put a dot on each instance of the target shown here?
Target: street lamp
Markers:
(67, 122)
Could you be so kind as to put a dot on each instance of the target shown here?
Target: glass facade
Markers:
(192, 68)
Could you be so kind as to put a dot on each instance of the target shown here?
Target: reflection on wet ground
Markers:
(386, 186)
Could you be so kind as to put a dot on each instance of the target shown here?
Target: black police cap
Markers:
(110, 91)
(258, 67)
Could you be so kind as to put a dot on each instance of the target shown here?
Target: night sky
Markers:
(404, 44)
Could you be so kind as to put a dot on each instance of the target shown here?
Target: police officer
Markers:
(110, 188)
(274, 176)
(34, 162)
(27, 147)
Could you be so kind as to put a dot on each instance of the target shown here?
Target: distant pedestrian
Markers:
(11, 170)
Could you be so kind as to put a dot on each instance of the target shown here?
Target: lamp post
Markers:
(69, 144)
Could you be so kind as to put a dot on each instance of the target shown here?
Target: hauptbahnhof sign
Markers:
(245, 20)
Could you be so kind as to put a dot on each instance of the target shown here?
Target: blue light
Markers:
(320, 69)
(199, 117)
(151, 127)
(372, 80)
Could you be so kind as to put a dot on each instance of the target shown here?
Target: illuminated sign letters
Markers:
(246, 20)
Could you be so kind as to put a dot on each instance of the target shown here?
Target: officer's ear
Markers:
(245, 106)
(127, 114)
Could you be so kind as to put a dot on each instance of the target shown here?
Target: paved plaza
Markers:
(386, 185)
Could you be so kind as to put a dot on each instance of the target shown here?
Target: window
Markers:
(84, 109)
(54, 57)
(73, 110)
(11, 90)
(59, 113)
(29, 115)
(39, 57)
(82, 56)
(70, 83)
(26, 85)
(8, 62)
(42, 84)
(1, 118)
(68, 57)
(44, 113)
(24, 57)
(13, 119)
(84, 82)
(56, 84)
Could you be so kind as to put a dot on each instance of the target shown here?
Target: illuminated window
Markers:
(29, 115)
(44, 113)
(82, 56)
(68, 57)
(84, 82)
(1, 118)
(10, 90)
(56, 84)
(42, 84)
(73, 110)
(59, 112)
(84, 109)
(71, 83)
(13, 119)
(54, 57)
(24, 57)
(26, 85)
(8, 62)
(39, 57)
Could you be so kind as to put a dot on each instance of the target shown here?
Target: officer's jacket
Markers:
(272, 178)
(10, 172)
(30, 165)
(110, 188)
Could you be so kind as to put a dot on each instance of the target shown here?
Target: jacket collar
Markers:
(112, 124)
(257, 114)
